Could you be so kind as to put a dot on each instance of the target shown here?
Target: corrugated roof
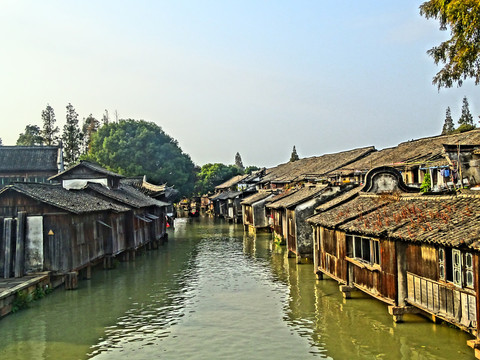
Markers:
(75, 201)
(28, 158)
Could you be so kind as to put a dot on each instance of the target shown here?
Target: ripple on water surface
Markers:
(213, 292)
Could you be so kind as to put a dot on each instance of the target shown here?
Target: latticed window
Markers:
(456, 267)
(441, 263)
(469, 270)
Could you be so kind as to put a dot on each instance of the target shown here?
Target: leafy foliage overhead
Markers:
(461, 53)
(136, 148)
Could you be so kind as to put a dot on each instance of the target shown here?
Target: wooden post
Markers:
(7, 243)
(346, 291)
(20, 244)
(108, 262)
(88, 272)
(401, 255)
(71, 280)
(319, 275)
(350, 274)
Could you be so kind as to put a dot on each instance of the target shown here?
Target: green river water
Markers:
(214, 292)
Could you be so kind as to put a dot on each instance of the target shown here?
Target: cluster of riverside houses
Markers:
(360, 217)
(66, 221)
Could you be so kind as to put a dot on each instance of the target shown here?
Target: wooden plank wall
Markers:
(332, 252)
(381, 282)
(453, 304)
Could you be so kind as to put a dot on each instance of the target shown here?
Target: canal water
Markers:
(214, 292)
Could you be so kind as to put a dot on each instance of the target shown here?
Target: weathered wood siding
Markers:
(381, 283)
(453, 304)
(277, 222)
(332, 254)
(422, 260)
(58, 246)
(427, 291)
(248, 218)
(291, 231)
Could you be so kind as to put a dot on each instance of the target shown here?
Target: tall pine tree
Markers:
(72, 137)
(90, 126)
(466, 118)
(49, 131)
(448, 126)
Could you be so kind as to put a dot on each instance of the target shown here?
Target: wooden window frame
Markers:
(364, 249)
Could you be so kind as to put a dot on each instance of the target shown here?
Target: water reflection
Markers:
(214, 291)
(360, 327)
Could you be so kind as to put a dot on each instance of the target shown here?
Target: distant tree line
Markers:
(211, 175)
(131, 148)
(465, 122)
(75, 139)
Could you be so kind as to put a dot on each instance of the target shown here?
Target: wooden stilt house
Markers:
(415, 252)
(48, 228)
(254, 211)
(146, 220)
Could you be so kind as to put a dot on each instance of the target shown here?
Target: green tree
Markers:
(90, 126)
(105, 118)
(466, 118)
(31, 137)
(134, 148)
(72, 137)
(294, 155)
(426, 183)
(211, 175)
(460, 54)
(49, 131)
(250, 169)
(448, 126)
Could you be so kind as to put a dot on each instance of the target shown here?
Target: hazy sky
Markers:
(223, 76)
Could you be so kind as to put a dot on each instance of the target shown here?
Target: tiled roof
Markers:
(338, 199)
(297, 197)
(446, 220)
(28, 158)
(256, 197)
(231, 182)
(426, 151)
(313, 167)
(226, 195)
(127, 195)
(89, 165)
(75, 201)
(350, 210)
